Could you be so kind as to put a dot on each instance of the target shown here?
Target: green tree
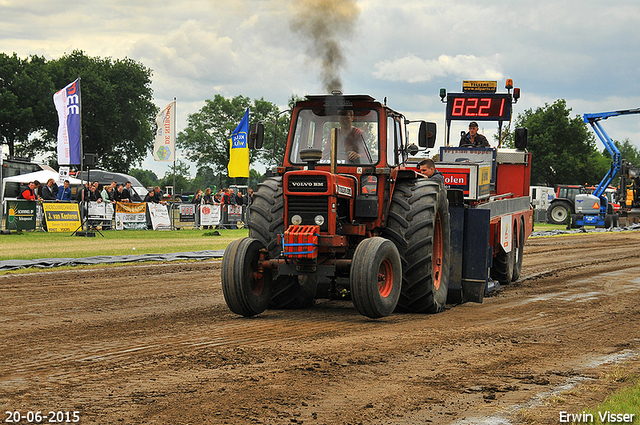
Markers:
(205, 177)
(184, 184)
(563, 149)
(147, 177)
(205, 139)
(118, 115)
(26, 103)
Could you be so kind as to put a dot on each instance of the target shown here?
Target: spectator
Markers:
(150, 197)
(197, 199)
(49, 191)
(83, 194)
(225, 196)
(64, 193)
(217, 198)
(250, 197)
(117, 194)
(239, 198)
(232, 197)
(94, 195)
(107, 194)
(29, 193)
(157, 195)
(125, 195)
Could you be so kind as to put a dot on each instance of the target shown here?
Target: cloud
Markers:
(412, 69)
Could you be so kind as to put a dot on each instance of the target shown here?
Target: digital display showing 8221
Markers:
(479, 106)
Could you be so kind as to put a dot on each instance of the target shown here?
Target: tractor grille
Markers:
(308, 207)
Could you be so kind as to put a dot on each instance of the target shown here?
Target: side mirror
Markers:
(427, 135)
(521, 138)
(256, 135)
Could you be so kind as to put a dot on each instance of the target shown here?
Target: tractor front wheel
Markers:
(245, 285)
(376, 277)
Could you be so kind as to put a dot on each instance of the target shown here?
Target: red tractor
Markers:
(348, 216)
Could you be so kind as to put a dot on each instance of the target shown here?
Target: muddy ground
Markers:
(155, 344)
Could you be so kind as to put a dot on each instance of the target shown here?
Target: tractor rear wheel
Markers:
(558, 213)
(266, 223)
(266, 220)
(246, 288)
(375, 277)
(418, 225)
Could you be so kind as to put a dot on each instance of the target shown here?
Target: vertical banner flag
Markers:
(164, 148)
(239, 149)
(67, 102)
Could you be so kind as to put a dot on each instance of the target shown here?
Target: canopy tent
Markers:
(42, 176)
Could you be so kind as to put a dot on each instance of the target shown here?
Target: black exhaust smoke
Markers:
(328, 25)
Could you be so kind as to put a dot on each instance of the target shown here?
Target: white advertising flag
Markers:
(165, 143)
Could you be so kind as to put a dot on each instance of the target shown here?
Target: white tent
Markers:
(42, 176)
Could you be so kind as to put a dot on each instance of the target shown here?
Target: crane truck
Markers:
(595, 209)
(365, 219)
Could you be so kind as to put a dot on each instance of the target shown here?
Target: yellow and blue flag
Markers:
(239, 149)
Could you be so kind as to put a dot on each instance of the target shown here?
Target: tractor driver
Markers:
(350, 140)
(473, 138)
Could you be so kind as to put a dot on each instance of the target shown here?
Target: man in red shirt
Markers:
(29, 193)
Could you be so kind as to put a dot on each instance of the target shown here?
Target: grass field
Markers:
(33, 245)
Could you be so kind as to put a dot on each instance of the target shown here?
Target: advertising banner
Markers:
(188, 213)
(159, 215)
(131, 215)
(234, 213)
(210, 215)
(100, 210)
(61, 216)
(20, 215)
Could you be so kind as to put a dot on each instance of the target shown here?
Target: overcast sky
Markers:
(583, 51)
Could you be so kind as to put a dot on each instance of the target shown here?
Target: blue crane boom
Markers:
(616, 163)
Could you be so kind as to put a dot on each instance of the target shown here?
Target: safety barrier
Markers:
(69, 216)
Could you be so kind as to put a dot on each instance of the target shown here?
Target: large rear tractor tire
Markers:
(246, 288)
(376, 277)
(418, 225)
(558, 213)
(266, 223)
(266, 218)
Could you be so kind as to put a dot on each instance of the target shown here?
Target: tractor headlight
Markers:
(319, 220)
(296, 220)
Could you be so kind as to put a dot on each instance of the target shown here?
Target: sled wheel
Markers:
(517, 265)
(376, 277)
(245, 285)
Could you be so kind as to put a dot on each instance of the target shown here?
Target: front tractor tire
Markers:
(375, 277)
(245, 286)
(418, 225)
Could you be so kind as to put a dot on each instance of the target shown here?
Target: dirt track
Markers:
(155, 344)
